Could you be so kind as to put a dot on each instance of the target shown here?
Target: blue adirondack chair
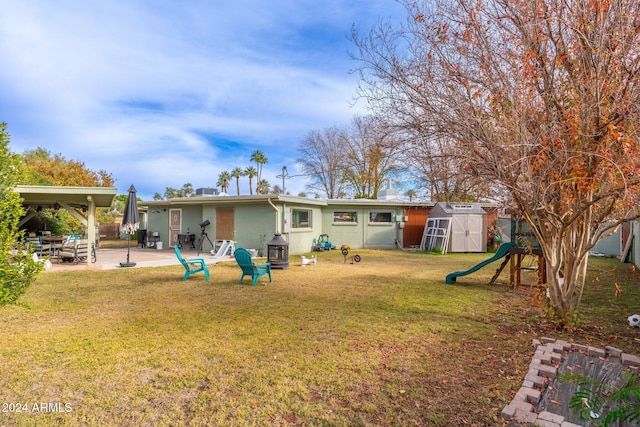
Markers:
(243, 258)
(191, 265)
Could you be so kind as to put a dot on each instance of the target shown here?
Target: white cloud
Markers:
(163, 93)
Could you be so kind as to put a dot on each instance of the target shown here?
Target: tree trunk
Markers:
(566, 252)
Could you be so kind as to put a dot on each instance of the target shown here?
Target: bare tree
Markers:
(539, 96)
(322, 155)
(372, 155)
(443, 176)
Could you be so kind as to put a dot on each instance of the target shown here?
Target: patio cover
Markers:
(73, 199)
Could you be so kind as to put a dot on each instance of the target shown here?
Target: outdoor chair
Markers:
(77, 252)
(36, 244)
(243, 258)
(191, 265)
(70, 240)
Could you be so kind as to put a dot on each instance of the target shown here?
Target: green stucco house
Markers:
(252, 221)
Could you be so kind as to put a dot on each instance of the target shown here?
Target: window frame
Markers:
(353, 214)
(374, 214)
(295, 224)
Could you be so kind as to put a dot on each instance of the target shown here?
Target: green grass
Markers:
(381, 342)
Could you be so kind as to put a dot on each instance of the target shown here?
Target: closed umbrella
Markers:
(130, 222)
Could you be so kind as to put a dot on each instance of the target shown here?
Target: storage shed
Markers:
(467, 225)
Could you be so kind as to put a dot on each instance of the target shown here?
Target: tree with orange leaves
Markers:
(539, 96)
(44, 168)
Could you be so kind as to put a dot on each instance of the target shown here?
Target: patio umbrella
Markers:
(130, 222)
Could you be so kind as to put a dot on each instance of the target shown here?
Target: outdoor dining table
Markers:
(53, 240)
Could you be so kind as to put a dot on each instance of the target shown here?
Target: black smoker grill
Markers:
(278, 252)
(142, 238)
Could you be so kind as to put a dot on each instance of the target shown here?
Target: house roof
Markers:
(277, 198)
(226, 199)
(377, 202)
(47, 196)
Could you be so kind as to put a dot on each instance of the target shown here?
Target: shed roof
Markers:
(452, 208)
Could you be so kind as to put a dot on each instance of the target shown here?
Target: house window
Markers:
(380, 217)
(301, 218)
(345, 217)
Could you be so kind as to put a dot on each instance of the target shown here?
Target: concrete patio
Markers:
(108, 259)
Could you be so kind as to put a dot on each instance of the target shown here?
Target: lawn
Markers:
(381, 342)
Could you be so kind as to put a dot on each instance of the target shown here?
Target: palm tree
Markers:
(260, 159)
(263, 187)
(223, 180)
(237, 173)
(410, 194)
(250, 171)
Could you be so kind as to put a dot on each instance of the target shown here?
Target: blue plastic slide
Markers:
(502, 251)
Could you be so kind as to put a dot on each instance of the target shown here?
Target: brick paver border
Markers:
(544, 367)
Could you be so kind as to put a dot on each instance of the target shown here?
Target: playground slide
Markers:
(502, 251)
(226, 245)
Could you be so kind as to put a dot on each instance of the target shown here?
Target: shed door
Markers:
(458, 238)
(475, 234)
(224, 224)
(175, 224)
(466, 233)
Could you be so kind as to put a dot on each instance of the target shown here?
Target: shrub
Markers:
(602, 404)
(17, 269)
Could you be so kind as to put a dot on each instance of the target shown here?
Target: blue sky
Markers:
(160, 93)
